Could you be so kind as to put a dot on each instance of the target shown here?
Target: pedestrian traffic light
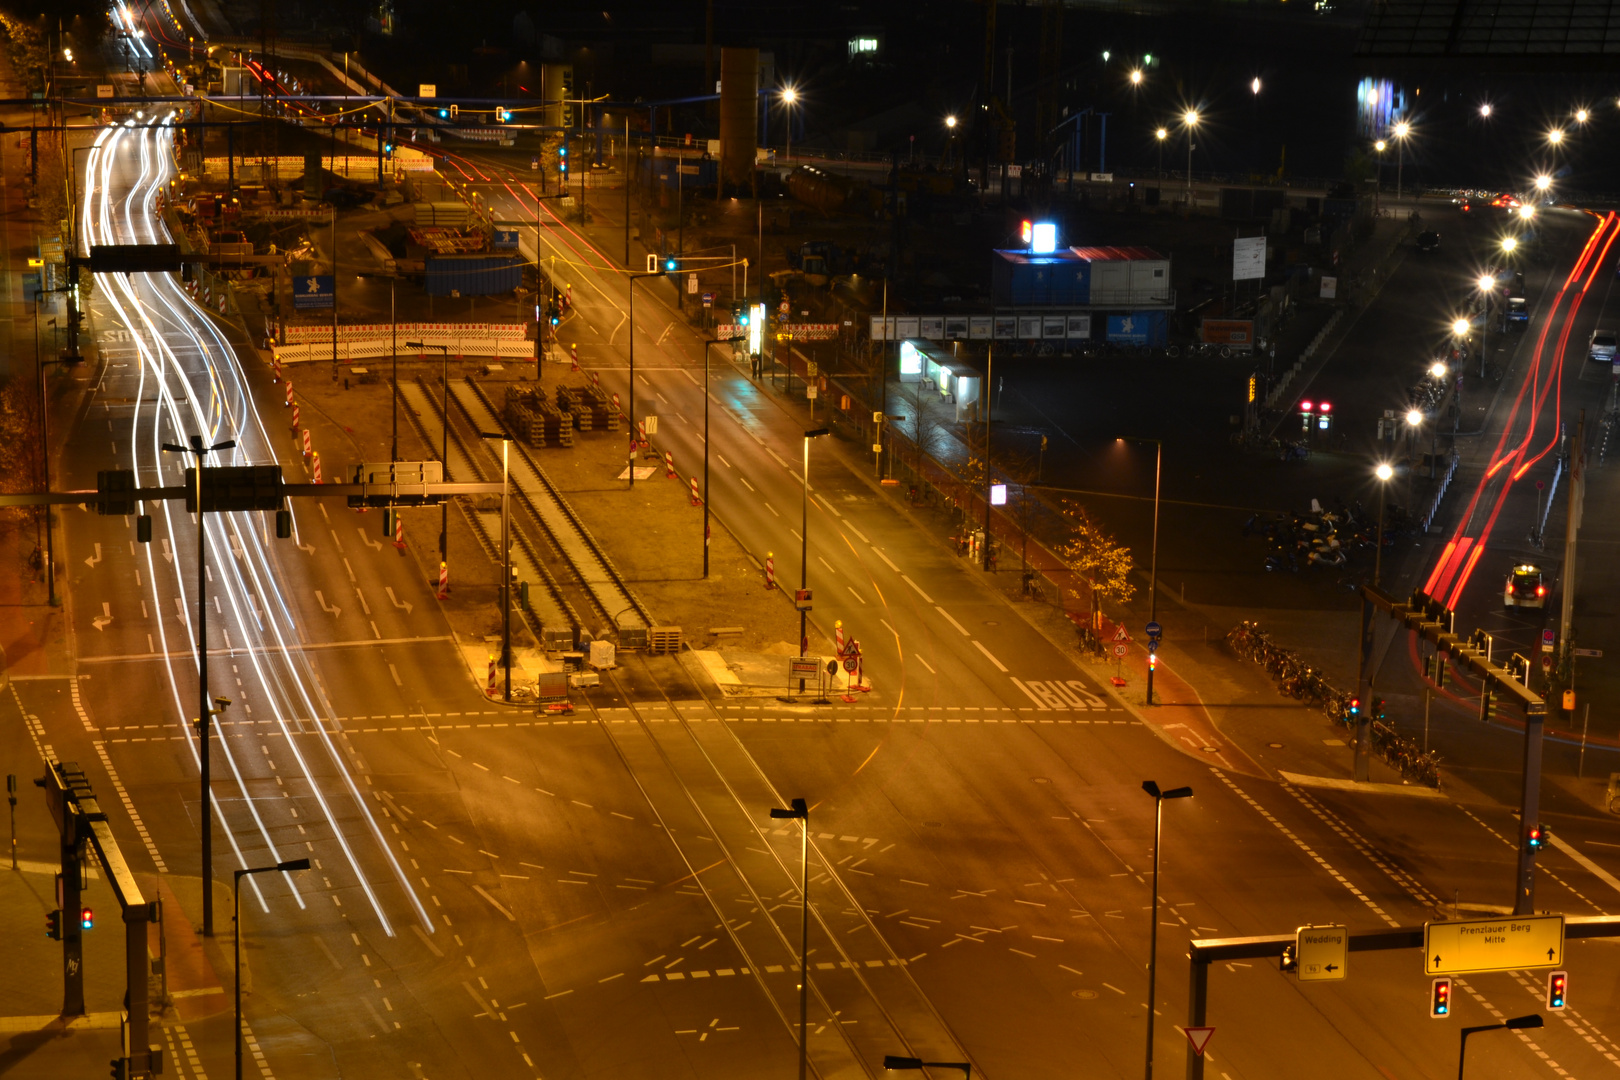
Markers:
(87, 919)
(455, 112)
(444, 114)
(53, 925)
(742, 317)
(671, 264)
(556, 316)
(1536, 837)
(1440, 999)
(562, 158)
(1355, 707)
(1557, 983)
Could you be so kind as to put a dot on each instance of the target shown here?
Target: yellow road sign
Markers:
(1320, 952)
(1510, 943)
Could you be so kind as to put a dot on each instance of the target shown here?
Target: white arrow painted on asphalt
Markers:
(328, 608)
(307, 549)
(101, 622)
(374, 545)
(236, 546)
(168, 556)
(397, 602)
(91, 562)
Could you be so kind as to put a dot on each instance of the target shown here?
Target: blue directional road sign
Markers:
(313, 291)
(506, 238)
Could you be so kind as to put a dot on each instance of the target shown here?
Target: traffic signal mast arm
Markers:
(1433, 623)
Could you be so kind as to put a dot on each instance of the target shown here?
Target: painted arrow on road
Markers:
(328, 608)
(168, 556)
(101, 621)
(91, 562)
(397, 602)
(374, 545)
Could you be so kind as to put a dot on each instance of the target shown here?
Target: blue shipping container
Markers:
(1024, 280)
(473, 275)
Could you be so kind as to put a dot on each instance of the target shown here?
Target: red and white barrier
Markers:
(316, 456)
(399, 531)
(697, 500)
(838, 633)
(444, 582)
(490, 689)
(669, 465)
(770, 570)
(573, 351)
(307, 450)
(289, 392)
(297, 419)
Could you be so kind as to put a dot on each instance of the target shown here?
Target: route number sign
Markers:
(1511, 943)
(1320, 952)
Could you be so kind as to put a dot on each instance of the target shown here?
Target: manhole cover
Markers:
(1084, 995)
(1040, 780)
(1275, 745)
(1212, 749)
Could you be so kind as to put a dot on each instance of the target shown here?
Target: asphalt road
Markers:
(501, 894)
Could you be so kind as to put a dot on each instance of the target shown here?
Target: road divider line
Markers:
(908, 581)
(988, 655)
(927, 665)
(891, 565)
(855, 594)
(479, 889)
(950, 620)
(1597, 871)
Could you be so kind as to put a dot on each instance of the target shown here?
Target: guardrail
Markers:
(1440, 492)
(1305, 355)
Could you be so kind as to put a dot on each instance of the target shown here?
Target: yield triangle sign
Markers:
(1199, 1037)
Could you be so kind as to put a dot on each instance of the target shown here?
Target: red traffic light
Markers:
(1557, 983)
(87, 919)
(1440, 999)
(1305, 406)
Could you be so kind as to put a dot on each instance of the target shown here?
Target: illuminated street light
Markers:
(789, 96)
(1460, 327)
(1380, 146)
(950, 122)
(1582, 116)
(1255, 85)
(1414, 417)
(1487, 282)
(1189, 120)
(1508, 244)
(1485, 110)
(1136, 76)
(1527, 211)
(1161, 134)
(1438, 370)
(1555, 136)
(1543, 182)
(1401, 130)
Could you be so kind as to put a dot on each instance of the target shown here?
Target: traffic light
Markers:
(1153, 656)
(1440, 999)
(671, 264)
(1355, 708)
(1375, 708)
(502, 116)
(444, 114)
(742, 317)
(1537, 837)
(87, 919)
(1557, 983)
(555, 315)
(53, 925)
(120, 1069)
(562, 158)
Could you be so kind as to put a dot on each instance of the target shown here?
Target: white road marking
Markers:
(857, 595)
(913, 584)
(891, 566)
(768, 506)
(723, 461)
(927, 665)
(746, 484)
(987, 653)
(948, 619)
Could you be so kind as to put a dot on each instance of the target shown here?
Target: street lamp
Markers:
(444, 446)
(1254, 86)
(1401, 130)
(1153, 929)
(1136, 76)
(236, 932)
(1485, 110)
(1582, 116)
(804, 539)
(203, 711)
(1189, 120)
(1161, 134)
(1509, 243)
(506, 559)
(1384, 472)
(790, 97)
(1378, 186)
(1517, 1023)
(800, 810)
(1555, 136)
(1153, 560)
(1414, 421)
(892, 1062)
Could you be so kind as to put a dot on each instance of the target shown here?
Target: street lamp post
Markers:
(506, 558)
(800, 810)
(1384, 472)
(1439, 373)
(444, 445)
(1161, 135)
(630, 289)
(1190, 121)
(1378, 184)
(804, 540)
(789, 97)
(1153, 557)
(1401, 130)
(236, 932)
(1517, 1023)
(1152, 789)
(198, 449)
(989, 401)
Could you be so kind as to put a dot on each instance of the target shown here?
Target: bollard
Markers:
(316, 456)
(838, 631)
(399, 531)
(697, 500)
(307, 450)
(616, 407)
(770, 570)
(444, 582)
(573, 351)
(596, 380)
(669, 464)
(641, 435)
(297, 418)
(289, 391)
(275, 368)
(490, 688)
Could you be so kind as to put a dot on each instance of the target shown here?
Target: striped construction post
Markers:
(641, 430)
(669, 465)
(596, 380)
(490, 688)
(297, 418)
(697, 500)
(838, 631)
(275, 370)
(399, 531)
(444, 582)
(770, 570)
(616, 407)
(573, 351)
(307, 450)
(289, 391)
(315, 455)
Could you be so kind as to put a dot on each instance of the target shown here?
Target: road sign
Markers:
(1547, 640)
(505, 238)
(1320, 951)
(1120, 634)
(808, 667)
(1199, 1037)
(1154, 629)
(534, 162)
(1511, 943)
(652, 424)
(1594, 653)
(708, 299)
(313, 291)
(1121, 649)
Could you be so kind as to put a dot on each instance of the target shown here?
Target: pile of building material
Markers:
(589, 407)
(536, 420)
